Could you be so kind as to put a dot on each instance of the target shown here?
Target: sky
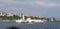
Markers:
(43, 8)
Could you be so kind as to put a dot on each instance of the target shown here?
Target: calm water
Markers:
(46, 25)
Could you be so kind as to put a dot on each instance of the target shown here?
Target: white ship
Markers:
(29, 20)
(35, 20)
(21, 20)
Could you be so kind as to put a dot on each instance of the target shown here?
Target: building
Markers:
(9, 14)
(5, 14)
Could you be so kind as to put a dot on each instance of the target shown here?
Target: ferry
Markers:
(29, 20)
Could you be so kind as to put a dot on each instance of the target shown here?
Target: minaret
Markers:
(22, 15)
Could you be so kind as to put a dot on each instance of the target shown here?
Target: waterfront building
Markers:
(5, 14)
(51, 19)
(57, 19)
(9, 14)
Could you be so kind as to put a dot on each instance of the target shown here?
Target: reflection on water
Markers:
(46, 25)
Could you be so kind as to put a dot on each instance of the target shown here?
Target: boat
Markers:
(29, 20)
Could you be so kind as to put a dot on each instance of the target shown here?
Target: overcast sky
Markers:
(44, 8)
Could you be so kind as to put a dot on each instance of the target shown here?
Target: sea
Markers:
(45, 25)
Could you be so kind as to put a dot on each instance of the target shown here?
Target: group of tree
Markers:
(9, 17)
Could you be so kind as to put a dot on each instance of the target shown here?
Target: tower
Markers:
(22, 15)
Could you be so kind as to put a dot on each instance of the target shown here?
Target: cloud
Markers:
(4, 3)
(9, 1)
(1, 4)
(43, 3)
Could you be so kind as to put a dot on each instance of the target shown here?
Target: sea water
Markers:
(46, 25)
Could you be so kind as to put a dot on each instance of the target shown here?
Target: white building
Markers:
(9, 14)
(4, 13)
